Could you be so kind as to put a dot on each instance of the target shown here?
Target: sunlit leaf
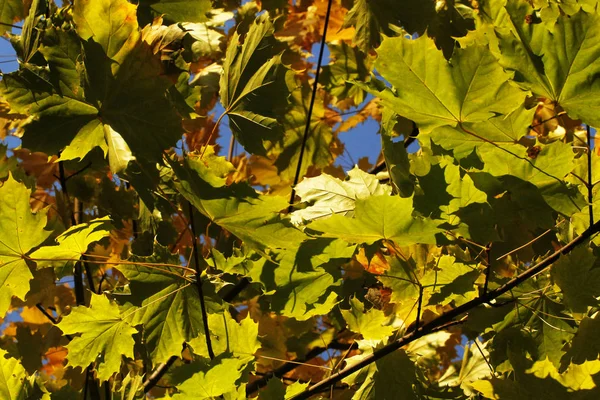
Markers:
(380, 217)
(20, 232)
(105, 337)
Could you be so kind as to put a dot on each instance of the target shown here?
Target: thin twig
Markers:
(560, 114)
(484, 357)
(488, 268)
(530, 242)
(419, 305)
(380, 166)
(158, 374)
(589, 184)
(231, 148)
(448, 318)
(50, 318)
(311, 106)
(254, 386)
(78, 172)
(11, 25)
(211, 354)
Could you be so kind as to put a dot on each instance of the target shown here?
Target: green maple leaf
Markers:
(110, 23)
(348, 64)
(391, 377)
(543, 338)
(62, 51)
(472, 368)
(585, 345)
(73, 243)
(104, 336)
(319, 140)
(238, 208)
(576, 377)
(179, 10)
(501, 130)
(15, 384)
(434, 92)
(20, 232)
(547, 171)
(372, 18)
(169, 306)
(204, 379)
(132, 387)
(450, 281)
(461, 188)
(578, 278)
(229, 336)
(115, 104)
(252, 71)
(556, 59)
(328, 195)
(370, 324)
(396, 158)
(380, 217)
(401, 279)
(304, 278)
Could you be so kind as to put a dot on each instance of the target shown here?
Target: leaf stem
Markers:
(311, 106)
(488, 268)
(212, 132)
(589, 183)
(10, 25)
(289, 366)
(198, 282)
(419, 305)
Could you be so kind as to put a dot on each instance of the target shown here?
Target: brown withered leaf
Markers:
(370, 110)
(40, 199)
(364, 164)
(10, 123)
(54, 360)
(40, 166)
(198, 132)
(336, 20)
(305, 24)
(376, 265)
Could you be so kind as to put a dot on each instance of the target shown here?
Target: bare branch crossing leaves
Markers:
(137, 262)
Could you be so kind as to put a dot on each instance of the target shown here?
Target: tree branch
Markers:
(590, 186)
(311, 106)
(158, 374)
(448, 318)
(198, 282)
(380, 166)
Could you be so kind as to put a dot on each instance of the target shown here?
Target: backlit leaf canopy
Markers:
(194, 204)
(120, 85)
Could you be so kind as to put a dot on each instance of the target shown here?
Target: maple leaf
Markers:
(104, 336)
(20, 232)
